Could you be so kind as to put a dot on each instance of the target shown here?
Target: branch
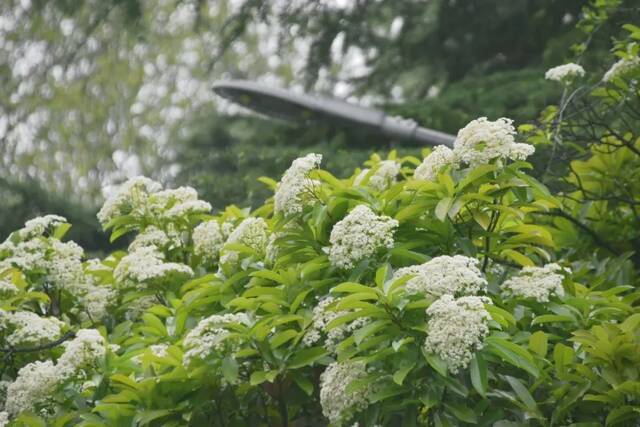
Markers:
(52, 344)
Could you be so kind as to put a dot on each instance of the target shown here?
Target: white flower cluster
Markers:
(252, 232)
(38, 226)
(433, 164)
(145, 266)
(483, 140)
(29, 329)
(4, 419)
(37, 381)
(7, 289)
(82, 352)
(565, 72)
(338, 405)
(358, 235)
(209, 237)
(139, 306)
(150, 236)
(295, 187)
(65, 265)
(621, 67)
(130, 198)
(457, 327)
(454, 275)
(176, 203)
(209, 337)
(97, 300)
(382, 178)
(322, 316)
(538, 283)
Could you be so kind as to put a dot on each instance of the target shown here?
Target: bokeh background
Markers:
(93, 92)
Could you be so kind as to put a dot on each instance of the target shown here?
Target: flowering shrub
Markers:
(434, 291)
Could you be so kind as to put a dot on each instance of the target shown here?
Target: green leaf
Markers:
(283, 337)
(259, 377)
(478, 372)
(269, 275)
(370, 329)
(307, 357)
(303, 382)
(351, 287)
(462, 412)
(442, 208)
(519, 258)
(439, 365)
(146, 417)
(401, 374)
(550, 318)
(230, 369)
(538, 343)
(523, 393)
(513, 354)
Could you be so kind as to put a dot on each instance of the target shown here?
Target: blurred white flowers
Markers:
(210, 336)
(564, 73)
(384, 175)
(433, 164)
(621, 67)
(338, 405)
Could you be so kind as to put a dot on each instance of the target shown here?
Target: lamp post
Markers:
(289, 106)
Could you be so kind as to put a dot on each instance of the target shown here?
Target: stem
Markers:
(487, 241)
(52, 344)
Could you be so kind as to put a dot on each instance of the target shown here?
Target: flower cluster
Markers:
(338, 405)
(483, 140)
(454, 275)
(209, 237)
(95, 301)
(7, 289)
(146, 266)
(433, 164)
(210, 336)
(37, 381)
(359, 235)
(176, 203)
(538, 283)
(252, 232)
(384, 175)
(322, 316)
(40, 225)
(130, 198)
(150, 236)
(457, 327)
(29, 329)
(295, 187)
(565, 72)
(621, 68)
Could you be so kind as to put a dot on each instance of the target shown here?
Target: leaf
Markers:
(307, 357)
(538, 343)
(269, 275)
(519, 258)
(351, 287)
(283, 337)
(523, 393)
(442, 208)
(303, 382)
(369, 329)
(230, 369)
(550, 318)
(463, 413)
(146, 417)
(436, 362)
(400, 374)
(259, 377)
(478, 372)
(512, 353)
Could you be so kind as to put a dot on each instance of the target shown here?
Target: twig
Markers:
(52, 344)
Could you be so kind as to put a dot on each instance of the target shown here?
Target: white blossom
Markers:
(433, 164)
(131, 197)
(146, 266)
(191, 207)
(38, 226)
(64, 267)
(26, 256)
(4, 419)
(295, 187)
(84, 351)
(622, 67)
(139, 306)
(210, 336)
(251, 232)
(338, 405)
(454, 275)
(565, 72)
(29, 329)
(482, 140)
(538, 283)
(359, 235)
(322, 316)
(97, 300)
(7, 289)
(383, 177)
(457, 328)
(208, 239)
(159, 350)
(150, 236)
(33, 387)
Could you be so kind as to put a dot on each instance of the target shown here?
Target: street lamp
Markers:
(289, 106)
